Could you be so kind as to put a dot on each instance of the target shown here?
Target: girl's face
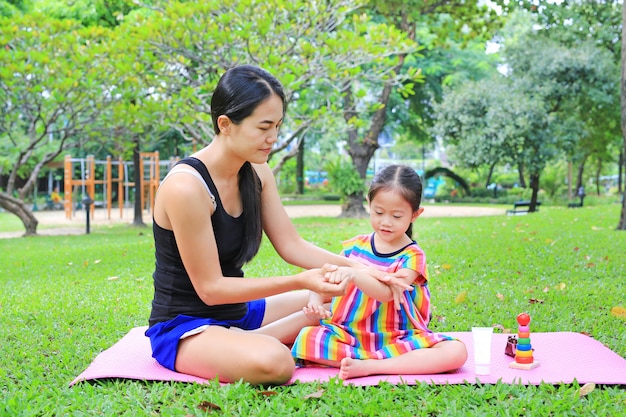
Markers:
(390, 216)
(253, 138)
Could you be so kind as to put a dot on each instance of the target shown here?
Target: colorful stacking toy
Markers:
(524, 351)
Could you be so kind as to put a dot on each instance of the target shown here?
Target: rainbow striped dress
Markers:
(361, 327)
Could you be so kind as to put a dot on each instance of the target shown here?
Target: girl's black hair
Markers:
(239, 92)
(403, 180)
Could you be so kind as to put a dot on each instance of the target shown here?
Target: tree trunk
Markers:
(569, 180)
(353, 207)
(622, 219)
(534, 186)
(581, 172)
(620, 170)
(520, 171)
(300, 168)
(358, 151)
(489, 175)
(21, 210)
(286, 157)
(362, 150)
(598, 172)
(138, 174)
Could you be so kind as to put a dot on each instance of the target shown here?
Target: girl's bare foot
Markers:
(353, 368)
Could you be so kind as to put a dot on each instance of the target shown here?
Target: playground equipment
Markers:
(116, 173)
(446, 172)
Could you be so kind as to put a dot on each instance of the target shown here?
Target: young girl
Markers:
(367, 332)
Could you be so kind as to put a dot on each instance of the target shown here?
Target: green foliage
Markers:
(286, 178)
(67, 298)
(8, 9)
(162, 59)
(572, 22)
(491, 122)
(343, 178)
(554, 101)
(577, 82)
(51, 73)
(553, 180)
(105, 13)
(452, 37)
(313, 48)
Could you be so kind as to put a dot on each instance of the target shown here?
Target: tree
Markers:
(50, 95)
(105, 13)
(314, 47)
(452, 35)
(134, 117)
(517, 119)
(444, 20)
(622, 220)
(576, 83)
(574, 21)
(492, 121)
(10, 8)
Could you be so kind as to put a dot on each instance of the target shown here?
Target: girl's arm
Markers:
(379, 285)
(182, 205)
(283, 234)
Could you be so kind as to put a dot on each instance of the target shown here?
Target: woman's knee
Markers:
(258, 359)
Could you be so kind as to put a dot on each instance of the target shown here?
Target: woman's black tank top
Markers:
(173, 292)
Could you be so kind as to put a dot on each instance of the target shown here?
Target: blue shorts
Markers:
(165, 336)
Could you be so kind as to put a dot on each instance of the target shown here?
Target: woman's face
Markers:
(253, 138)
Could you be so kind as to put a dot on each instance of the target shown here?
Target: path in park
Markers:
(56, 223)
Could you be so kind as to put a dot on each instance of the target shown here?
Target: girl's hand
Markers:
(396, 284)
(339, 275)
(393, 279)
(315, 312)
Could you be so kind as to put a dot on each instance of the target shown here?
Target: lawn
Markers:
(64, 299)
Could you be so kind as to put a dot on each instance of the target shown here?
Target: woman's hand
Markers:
(314, 280)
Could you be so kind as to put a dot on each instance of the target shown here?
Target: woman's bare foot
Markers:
(353, 368)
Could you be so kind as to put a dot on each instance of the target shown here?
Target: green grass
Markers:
(64, 299)
(10, 222)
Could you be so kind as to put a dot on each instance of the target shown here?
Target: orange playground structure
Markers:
(115, 175)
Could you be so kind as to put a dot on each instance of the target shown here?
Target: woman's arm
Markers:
(182, 206)
(283, 234)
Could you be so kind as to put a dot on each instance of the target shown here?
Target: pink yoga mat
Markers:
(563, 357)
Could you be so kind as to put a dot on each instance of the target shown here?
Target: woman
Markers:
(209, 215)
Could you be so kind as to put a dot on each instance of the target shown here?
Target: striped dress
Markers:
(361, 327)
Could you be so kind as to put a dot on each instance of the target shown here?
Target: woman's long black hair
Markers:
(238, 93)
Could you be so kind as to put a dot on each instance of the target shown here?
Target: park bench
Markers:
(521, 207)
